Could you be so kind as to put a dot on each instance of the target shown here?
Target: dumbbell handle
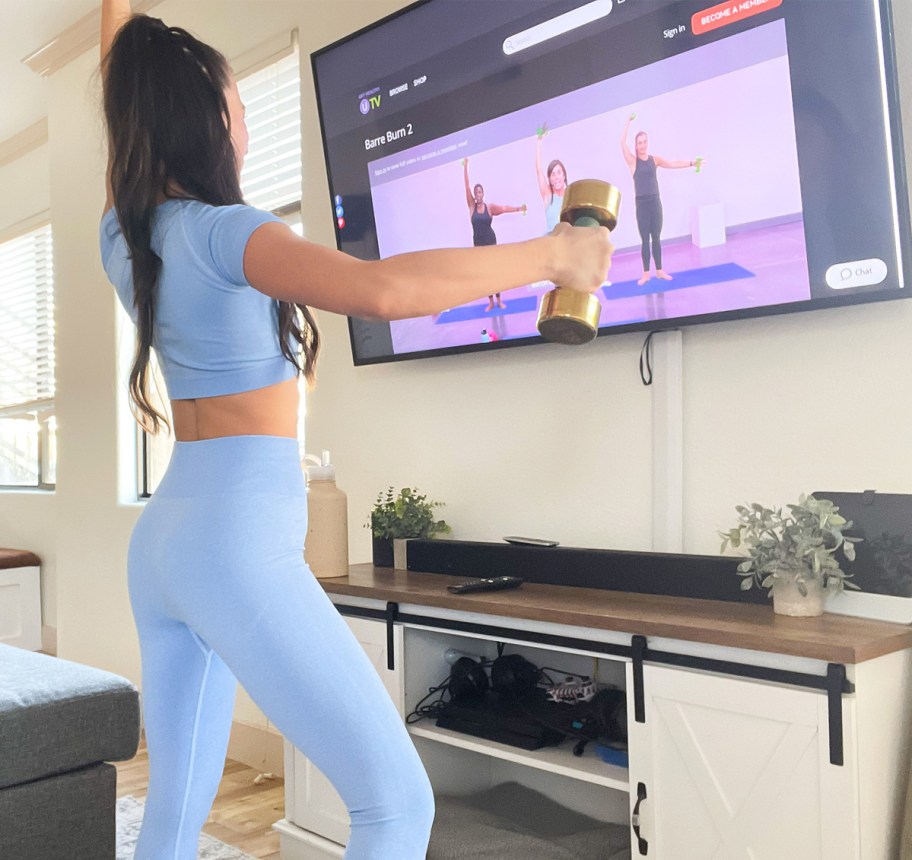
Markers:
(585, 221)
(565, 315)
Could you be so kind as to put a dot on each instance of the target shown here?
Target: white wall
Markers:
(549, 441)
(26, 187)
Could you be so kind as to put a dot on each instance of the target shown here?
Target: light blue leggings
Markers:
(220, 593)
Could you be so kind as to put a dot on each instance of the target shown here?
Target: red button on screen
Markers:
(729, 13)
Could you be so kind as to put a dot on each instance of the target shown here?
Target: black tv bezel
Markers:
(894, 116)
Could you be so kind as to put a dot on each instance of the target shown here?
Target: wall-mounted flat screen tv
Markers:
(756, 145)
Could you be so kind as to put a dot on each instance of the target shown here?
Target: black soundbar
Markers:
(707, 577)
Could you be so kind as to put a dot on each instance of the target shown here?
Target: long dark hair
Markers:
(169, 135)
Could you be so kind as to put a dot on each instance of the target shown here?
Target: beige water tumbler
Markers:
(326, 543)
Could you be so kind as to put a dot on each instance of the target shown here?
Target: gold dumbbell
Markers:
(569, 316)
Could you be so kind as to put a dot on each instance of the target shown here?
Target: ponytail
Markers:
(169, 135)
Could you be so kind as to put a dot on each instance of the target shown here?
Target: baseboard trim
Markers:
(257, 747)
(298, 844)
(49, 640)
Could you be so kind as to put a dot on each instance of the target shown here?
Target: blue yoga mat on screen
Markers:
(520, 305)
(680, 281)
(620, 290)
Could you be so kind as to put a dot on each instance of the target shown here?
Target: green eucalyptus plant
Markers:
(407, 514)
(799, 545)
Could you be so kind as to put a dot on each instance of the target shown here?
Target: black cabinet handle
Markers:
(638, 647)
(392, 613)
(836, 683)
(635, 819)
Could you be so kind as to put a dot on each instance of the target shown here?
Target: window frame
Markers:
(43, 409)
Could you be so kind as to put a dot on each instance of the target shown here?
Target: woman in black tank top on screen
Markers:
(481, 215)
(650, 217)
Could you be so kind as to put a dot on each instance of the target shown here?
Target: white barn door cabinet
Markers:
(751, 737)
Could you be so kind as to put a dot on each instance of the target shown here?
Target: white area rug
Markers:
(129, 818)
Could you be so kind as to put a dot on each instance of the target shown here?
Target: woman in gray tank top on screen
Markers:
(650, 217)
(481, 215)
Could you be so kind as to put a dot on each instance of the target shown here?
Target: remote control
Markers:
(524, 541)
(496, 584)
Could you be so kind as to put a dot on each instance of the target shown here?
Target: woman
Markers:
(481, 215)
(551, 183)
(217, 581)
(644, 168)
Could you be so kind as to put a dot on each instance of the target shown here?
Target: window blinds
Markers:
(26, 323)
(271, 178)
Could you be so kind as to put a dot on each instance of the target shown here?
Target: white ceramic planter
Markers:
(788, 599)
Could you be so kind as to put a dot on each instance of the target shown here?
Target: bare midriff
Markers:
(269, 411)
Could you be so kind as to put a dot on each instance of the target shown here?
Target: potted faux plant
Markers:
(793, 555)
(406, 514)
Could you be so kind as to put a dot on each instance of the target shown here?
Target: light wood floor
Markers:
(243, 812)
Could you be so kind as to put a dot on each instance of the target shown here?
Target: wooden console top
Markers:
(10, 558)
(833, 638)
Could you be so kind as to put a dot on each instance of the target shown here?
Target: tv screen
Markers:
(756, 145)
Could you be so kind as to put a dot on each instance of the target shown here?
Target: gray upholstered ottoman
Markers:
(59, 723)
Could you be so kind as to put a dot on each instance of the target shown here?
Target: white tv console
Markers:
(750, 734)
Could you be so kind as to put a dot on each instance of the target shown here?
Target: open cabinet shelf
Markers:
(557, 760)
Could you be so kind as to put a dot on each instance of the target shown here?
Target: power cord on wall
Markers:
(646, 360)
(646, 356)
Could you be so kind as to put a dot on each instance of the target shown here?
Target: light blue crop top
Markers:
(553, 211)
(214, 334)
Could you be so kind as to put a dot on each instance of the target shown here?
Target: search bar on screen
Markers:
(557, 26)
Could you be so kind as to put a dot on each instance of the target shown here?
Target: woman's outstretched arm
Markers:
(470, 198)
(282, 265)
(544, 186)
(675, 165)
(496, 209)
(629, 157)
(114, 14)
